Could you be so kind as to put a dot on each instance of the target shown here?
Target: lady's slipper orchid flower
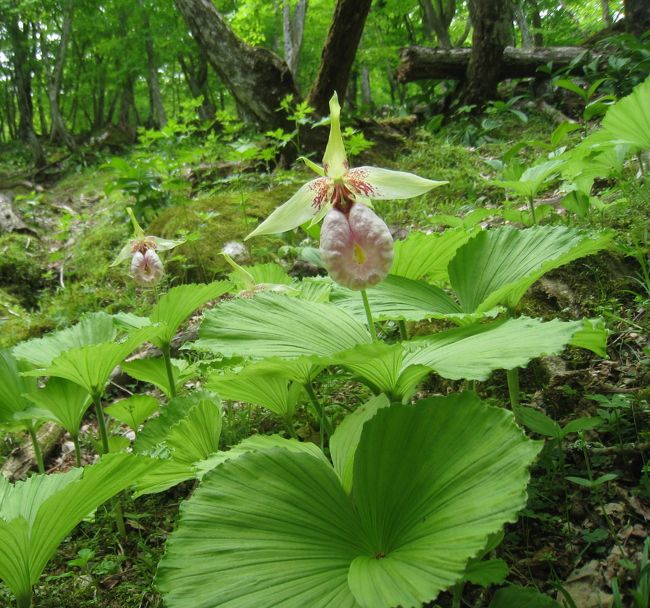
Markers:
(339, 186)
(146, 266)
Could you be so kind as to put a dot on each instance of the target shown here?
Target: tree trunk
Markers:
(437, 16)
(22, 80)
(492, 29)
(637, 16)
(294, 28)
(196, 78)
(54, 75)
(157, 110)
(338, 53)
(522, 24)
(423, 63)
(366, 91)
(538, 36)
(257, 79)
(607, 16)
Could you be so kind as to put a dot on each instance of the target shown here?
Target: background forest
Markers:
(201, 405)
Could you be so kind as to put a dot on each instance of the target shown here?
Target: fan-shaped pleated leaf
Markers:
(64, 401)
(154, 371)
(399, 298)
(474, 352)
(301, 369)
(279, 326)
(384, 368)
(189, 428)
(248, 277)
(532, 178)
(344, 441)
(91, 366)
(179, 303)
(37, 514)
(93, 328)
(498, 266)
(276, 529)
(427, 256)
(271, 390)
(134, 410)
(628, 120)
(15, 390)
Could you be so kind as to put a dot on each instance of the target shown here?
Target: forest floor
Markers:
(572, 540)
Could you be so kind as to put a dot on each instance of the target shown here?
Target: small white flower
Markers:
(146, 268)
(356, 248)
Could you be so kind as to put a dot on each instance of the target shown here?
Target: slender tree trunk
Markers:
(196, 78)
(339, 52)
(257, 79)
(607, 16)
(492, 31)
(522, 24)
(437, 16)
(54, 75)
(22, 81)
(293, 28)
(637, 16)
(158, 116)
(538, 36)
(366, 91)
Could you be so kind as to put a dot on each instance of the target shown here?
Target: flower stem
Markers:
(37, 450)
(77, 449)
(531, 204)
(403, 330)
(170, 372)
(101, 421)
(366, 306)
(325, 424)
(513, 387)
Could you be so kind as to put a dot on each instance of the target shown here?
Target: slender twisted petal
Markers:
(357, 248)
(146, 268)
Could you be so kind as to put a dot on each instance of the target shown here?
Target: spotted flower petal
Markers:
(301, 207)
(384, 184)
(357, 248)
(335, 161)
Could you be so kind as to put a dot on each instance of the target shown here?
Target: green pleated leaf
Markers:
(399, 298)
(278, 326)
(592, 336)
(532, 179)
(37, 514)
(248, 277)
(628, 120)
(134, 410)
(487, 572)
(422, 255)
(64, 401)
(270, 390)
(460, 475)
(344, 441)
(275, 528)
(384, 368)
(474, 352)
(15, 391)
(498, 266)
(154, 371)
(515, 596)
(187, 430)
(257, 443)
(93, 328)
(171, 473)
(270, 528)
(91, 366)
(301, 369)
(173, 308)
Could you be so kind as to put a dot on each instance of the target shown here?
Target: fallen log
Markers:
(424, 63)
